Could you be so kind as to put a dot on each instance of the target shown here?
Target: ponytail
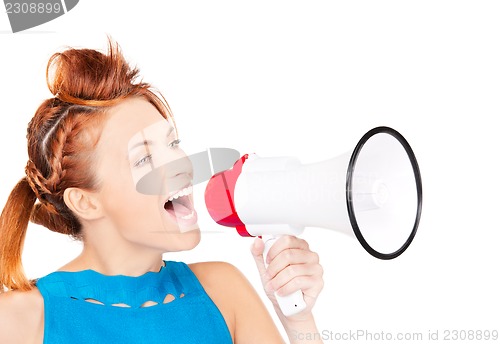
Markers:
(13, 225)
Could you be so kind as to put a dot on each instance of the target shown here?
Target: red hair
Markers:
(61, 139)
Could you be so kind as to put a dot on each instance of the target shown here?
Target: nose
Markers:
(179, 167)
(167, 177)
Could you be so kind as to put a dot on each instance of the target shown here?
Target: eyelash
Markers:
(174, 143)
(147, 158)
(142, 161)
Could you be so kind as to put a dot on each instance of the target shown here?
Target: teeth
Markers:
(180, 193)
(188, 216)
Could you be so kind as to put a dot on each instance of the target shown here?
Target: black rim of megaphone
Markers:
(349, 198)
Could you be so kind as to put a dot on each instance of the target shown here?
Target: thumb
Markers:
(257, 249)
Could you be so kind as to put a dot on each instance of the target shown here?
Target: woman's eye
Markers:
(143, 161)
(174, 143)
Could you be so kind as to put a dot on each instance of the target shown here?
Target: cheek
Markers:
(124, 204)
(138, 221)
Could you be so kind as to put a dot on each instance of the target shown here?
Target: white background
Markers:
(308, 79)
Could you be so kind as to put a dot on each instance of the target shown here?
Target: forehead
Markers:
(124, 121)
(150, 134)
(131, 116)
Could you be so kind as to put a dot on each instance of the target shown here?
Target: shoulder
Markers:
(223, 279)
(216, 273)
(238, 301)
(223, 282)
(21, 316)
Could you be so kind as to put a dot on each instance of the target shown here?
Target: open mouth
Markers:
(180, 206)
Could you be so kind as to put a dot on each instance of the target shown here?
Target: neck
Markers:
(108, 253)
(128, 262)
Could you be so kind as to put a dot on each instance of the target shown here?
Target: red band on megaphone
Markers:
(219, 197)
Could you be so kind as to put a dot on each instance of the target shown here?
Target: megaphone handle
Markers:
(289, 304)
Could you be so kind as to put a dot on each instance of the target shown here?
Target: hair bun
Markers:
(82, 75)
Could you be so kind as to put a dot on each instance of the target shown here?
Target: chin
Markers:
(175, 241)
(190, 239)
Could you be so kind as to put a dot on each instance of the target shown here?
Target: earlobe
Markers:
(83, 203)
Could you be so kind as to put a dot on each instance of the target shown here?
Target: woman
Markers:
(92, 149)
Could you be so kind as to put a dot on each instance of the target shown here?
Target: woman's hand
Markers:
(292, 266)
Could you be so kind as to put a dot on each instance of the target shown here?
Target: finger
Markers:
(291, 257)
(310, 286)
(284, 243)
(257, 248)
(292, 276)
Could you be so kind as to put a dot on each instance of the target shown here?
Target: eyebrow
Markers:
(148, 142)
(140, 144)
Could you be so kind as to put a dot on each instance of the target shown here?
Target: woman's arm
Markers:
(21, 317)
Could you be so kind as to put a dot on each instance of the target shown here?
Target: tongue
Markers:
(178, 207)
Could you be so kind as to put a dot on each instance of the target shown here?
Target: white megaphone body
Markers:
(373, 193)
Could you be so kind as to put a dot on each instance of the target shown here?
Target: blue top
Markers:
(179, 310)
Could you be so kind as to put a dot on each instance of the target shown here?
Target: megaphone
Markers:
(373, 193)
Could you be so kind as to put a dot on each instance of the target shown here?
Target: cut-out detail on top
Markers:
(149, 304)
(121, 305)
(168, 298)
(94, 301)
(135, 292)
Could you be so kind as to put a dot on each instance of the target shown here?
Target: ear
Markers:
(83, 203)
